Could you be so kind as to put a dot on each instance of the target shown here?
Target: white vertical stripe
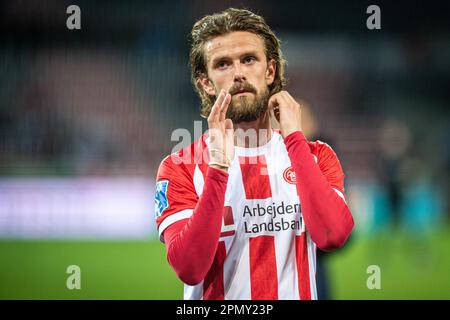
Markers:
(227, 272)
(312, 266)
(272, 171)
(237, 263)
(193, 292)
(236, 272)
(284, 242)
(286, 266)
(199, 182)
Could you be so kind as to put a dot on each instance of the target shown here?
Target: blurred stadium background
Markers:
(86, 116)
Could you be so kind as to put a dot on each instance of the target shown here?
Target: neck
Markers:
(253, 134)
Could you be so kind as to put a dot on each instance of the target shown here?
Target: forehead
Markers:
(234, 43)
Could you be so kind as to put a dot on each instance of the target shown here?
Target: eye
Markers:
(222, 65)
(249, 59)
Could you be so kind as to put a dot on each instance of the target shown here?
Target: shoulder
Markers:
(325, 157)
(184, 160)
(321, 150)
(328, 163)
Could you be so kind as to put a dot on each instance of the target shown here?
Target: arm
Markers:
(327, 216)
(192, 243)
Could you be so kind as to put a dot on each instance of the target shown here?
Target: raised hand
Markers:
(221, 143)
(287, 111)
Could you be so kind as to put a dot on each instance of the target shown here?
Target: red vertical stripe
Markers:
(301, 254)
(228, 221)
(255, 177)
(228, 216)
(213, 288)
(263, 268)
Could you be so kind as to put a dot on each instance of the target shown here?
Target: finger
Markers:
(224, 108)
(276, 113)
(288, 100)
(229, 126)
(284, 104)
(273, 101)
(220, 98)
(229, 130)
(283, 101)
(291, 98)
(274, 106)
(215, 110)
(272, 114)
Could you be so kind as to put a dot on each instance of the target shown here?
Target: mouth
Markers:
(242, 92)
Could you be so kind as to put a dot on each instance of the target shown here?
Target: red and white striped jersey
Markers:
(264, 251)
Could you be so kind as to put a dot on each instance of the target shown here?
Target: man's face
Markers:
(237, 63)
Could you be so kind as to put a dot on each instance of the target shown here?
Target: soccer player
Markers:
(243, 209)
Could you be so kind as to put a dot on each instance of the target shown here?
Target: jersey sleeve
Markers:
(330, 167)
(175, 194)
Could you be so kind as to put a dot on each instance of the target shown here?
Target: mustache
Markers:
(245, 86)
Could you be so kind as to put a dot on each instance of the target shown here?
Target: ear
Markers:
(207, 85)
(270, 72)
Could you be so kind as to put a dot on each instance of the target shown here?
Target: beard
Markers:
(247, 108)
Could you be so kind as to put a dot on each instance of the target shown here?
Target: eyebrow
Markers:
(220, 58)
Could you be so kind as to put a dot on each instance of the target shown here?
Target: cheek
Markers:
(262, 82)
(223, 82)
(260, 76)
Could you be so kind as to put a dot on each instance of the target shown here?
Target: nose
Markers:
(238, 73)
